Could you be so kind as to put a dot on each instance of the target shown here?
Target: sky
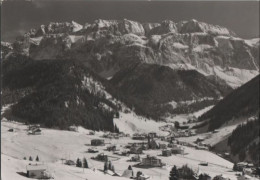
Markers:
(18, 17)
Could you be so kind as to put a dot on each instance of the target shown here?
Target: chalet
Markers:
(177, 150)
(193, 133)
(139, 136)
(97, 142)
(112, 148)
(91, 132)
(35, 131)
(183, 143)
(163, 138)
(70, 163)
(152, 144)
(73, 128)
(151, 161)
(163, 146)
(128, 146)
(101, 157)
(204, 176)
(122, 153)
(172, 145)
(152, 134)
(142, 177)
(143, 145)
(166, 152)
(34, 126)
(215, 131)
(111, 135)
(199, 139)
(226, 155)
(170, 138)
(36, 171)
(92, 150)
(11, 130)
(128, 173)
(135, 158)
(201, 147)
(121, 134)
(136, 150)
(221, 177)
(204, 163)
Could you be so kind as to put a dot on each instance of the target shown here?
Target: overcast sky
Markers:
(19, 17)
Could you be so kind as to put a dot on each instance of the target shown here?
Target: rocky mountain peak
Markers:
(108, 45)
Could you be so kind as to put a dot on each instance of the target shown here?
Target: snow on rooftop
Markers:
(35, 167)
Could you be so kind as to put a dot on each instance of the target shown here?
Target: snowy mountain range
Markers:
(107, 46)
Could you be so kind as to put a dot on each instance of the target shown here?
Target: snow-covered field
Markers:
(53, 145)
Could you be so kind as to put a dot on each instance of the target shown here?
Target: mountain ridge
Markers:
(106, 45)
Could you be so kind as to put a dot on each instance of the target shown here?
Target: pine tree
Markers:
(85, 163)
(242, 156)
(109, 165)
(138, 174)
(117, 130)
(37, 158)
(113, 168)
(235, 167)
(174, 174)
(30, 158)
(105, 166)
(78, 163)
(176, 124)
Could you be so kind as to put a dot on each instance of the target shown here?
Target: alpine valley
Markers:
(190, 80)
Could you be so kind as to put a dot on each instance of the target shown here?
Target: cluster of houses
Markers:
(247, 168)
(138, 136)
(115, 135)
(173, 150)
(184, 133)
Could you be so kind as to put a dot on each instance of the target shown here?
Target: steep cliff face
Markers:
(106, 46)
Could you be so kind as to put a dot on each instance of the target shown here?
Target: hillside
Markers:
(244, 141)
(242, 102)
(107, 46)
(55, 94)
(152, 89)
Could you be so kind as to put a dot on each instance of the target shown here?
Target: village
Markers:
(138, 156)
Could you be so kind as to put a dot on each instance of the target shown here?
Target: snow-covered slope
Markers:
(53, 145)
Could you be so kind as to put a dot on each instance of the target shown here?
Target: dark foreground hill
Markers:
(244, 141)
(55, 94)
(243, 101)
